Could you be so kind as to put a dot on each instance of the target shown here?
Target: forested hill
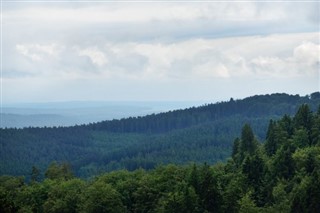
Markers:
(255, 106)
(202, 134)
(280, 175)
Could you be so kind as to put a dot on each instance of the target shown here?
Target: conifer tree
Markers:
(248, 144)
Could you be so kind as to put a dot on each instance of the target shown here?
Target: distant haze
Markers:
(72, 113)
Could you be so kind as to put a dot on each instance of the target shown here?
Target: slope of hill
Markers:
(78, 112)
(281, 175)
(202, 134)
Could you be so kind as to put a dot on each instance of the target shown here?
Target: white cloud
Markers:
(185, 44)
(195, 58)
(25, 51)
(140, 21)
(38, 52)
(96, 56)
(212, 69)
(308, 52)
(305, 60)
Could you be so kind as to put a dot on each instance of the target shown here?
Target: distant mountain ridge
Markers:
(255, 106)
(78, 112)
(197, 134)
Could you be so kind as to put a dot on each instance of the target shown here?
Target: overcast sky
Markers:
(154, 51)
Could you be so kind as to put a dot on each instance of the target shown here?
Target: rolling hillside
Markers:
(198, 134)
(280, 175)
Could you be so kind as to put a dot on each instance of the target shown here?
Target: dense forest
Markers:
(280, 175)
(197, 134)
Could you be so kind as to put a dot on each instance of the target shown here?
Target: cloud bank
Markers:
(158, 51)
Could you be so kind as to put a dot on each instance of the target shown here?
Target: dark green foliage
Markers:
(303, 118)
(194, 179)
(255, 106)
(65, 196)
(247, 144)
(287, 180)
(283, 165)
(313, 204)
(232, 192)
(9, 189)
(300, 138)
(235, 148)
(281, 175)
(59, 172)
(247, 204)
(253, 168)
(209, 193)
(32, 198)
(35, 174)
(247, 140)
(101, 197)
(271, 145)
(198, 134)
(183, 200)
(315, 130)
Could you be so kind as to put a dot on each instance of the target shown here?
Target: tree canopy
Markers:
(197, 134)
(252, 180)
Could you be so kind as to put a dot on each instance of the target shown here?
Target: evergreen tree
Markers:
(247, 205)
(101, 198)
(304, 119)
(209, 193)
(283, 165)
(194, 178)
(248, 144)
(271, 145)
(35, 174)
(59, 172)
(300, 138)
(235, 150)
(286, 125)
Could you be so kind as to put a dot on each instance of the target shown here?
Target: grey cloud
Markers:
(131, 64)
(16, 74)
(192, 47)
(263, 20)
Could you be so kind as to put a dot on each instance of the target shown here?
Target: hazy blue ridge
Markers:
(72, 113)
(195, 134)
